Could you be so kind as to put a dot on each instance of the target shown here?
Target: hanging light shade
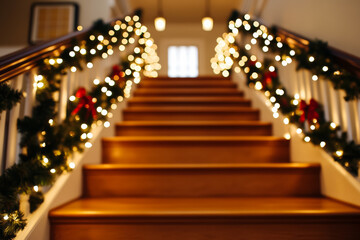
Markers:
(207, 23)
(160, 21)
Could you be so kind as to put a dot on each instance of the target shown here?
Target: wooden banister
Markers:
(25, 59)
(347, 60)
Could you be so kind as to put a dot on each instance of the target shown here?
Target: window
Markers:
(183, 61)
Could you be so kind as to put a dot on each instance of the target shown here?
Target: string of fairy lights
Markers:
(47, 143)
(230, 55)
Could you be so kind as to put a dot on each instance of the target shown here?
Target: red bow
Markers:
(116, 71)
(309, 111)
(85, 101)
(251, 63)
(268, 77)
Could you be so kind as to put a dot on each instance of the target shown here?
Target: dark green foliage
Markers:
(8, 97)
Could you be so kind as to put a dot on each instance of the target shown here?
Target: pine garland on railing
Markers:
(8, 97)
(47, 145)
(314, 56)
(308, 117)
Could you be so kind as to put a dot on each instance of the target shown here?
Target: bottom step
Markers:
(205, 218)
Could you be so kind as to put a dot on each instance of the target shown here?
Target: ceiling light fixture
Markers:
(160, 22)
(207, 21)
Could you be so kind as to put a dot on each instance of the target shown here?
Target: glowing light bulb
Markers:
(307, 139)
(322, 144)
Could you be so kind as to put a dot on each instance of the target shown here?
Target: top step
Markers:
(156, 83)
(165, 78)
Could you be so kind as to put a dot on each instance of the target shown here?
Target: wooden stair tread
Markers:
(187, 84)
(196, 138)
(190, 109)
(204, 166)
(186, 91)
(193, 123)
(166, 78)
(205, 207)
(190, 99)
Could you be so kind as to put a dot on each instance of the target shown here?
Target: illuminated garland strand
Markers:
(308, 117)
(47, 146)
(315, 57)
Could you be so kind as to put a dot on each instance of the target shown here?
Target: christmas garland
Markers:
(315, 56)
(308, 117)
(47, 145)
(8, 97)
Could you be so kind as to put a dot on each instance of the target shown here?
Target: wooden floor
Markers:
(191, 160)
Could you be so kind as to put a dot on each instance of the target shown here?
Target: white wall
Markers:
(15, 18)
(334, 21)
(187, 34)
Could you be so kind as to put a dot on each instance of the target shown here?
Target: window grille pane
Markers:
(183, 61)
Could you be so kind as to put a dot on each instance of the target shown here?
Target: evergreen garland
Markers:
(47, 145)
(262, 76)
(8, 97)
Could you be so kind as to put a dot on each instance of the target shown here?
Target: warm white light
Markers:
(339, 153)
(311, 59)
(333, 125)
(307, 139)
(72, 165)
(84, 126)
(315, 77)
(53, 170)
(160, 23)
(322, 144)
(107, 124)
(325, 68)
(89, 65)
(72, 98)
(292, 53)
(88, 145)
(258, 85)
(207, 23)
(287, 136)
(299, 130)
(286, 120)
(6, 217)
(36, 188)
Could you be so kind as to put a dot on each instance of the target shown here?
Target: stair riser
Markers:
(230, 93)
(220, 230)
(187, 104)
(172, 85)
(189, 116)
(218, 182)
(195, 151)
(193, 131)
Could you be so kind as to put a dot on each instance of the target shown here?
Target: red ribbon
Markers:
(85, 101)
(309, 111)
(251, 63)
(268, 77)
(116, 71)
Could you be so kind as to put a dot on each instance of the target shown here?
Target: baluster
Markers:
(301, 84)
(341, 109)
(324, 98)
(334, 105)
(3, 116)
(63, 98)
(13, 136)
(353, 119)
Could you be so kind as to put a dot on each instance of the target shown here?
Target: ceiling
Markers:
(176, 11)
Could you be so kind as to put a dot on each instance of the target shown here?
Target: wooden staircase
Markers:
(191, 160)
